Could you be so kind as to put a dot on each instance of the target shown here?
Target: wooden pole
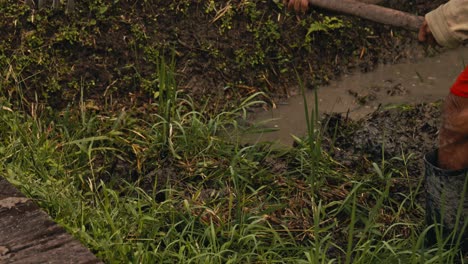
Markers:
(372, 12)
(374, 2)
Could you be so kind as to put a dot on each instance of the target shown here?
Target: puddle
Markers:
(357, 95)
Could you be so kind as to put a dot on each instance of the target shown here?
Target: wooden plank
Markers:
(28, 234)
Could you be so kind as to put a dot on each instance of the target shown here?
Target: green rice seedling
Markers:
(312, 123)
(349, 248)
(167, 96)
(414, 189)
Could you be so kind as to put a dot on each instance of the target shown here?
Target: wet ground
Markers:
(357, 95)
(107, 52)
(391, 112)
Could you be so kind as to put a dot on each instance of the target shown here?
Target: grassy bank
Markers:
(95, 129)
(167, 186)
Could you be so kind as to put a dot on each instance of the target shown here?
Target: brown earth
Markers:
(223, 50)
(406, 133)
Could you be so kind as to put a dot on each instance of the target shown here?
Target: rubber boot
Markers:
(446, 198)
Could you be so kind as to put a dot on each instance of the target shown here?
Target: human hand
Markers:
(425, 34)
(298, 5)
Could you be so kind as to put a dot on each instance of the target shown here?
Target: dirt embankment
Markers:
(223, 50)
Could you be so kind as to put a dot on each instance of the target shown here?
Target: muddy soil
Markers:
(109, 52)
(390, 112)
(401, 136)
(425, 80)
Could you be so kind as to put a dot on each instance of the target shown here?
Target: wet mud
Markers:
(357, 95)
(400, 136)
(391, 112)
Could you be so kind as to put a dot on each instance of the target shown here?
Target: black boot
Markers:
(445, 189)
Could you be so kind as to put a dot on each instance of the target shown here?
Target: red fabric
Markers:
(460, 87)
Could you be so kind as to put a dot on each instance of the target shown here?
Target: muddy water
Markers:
(426, 80)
